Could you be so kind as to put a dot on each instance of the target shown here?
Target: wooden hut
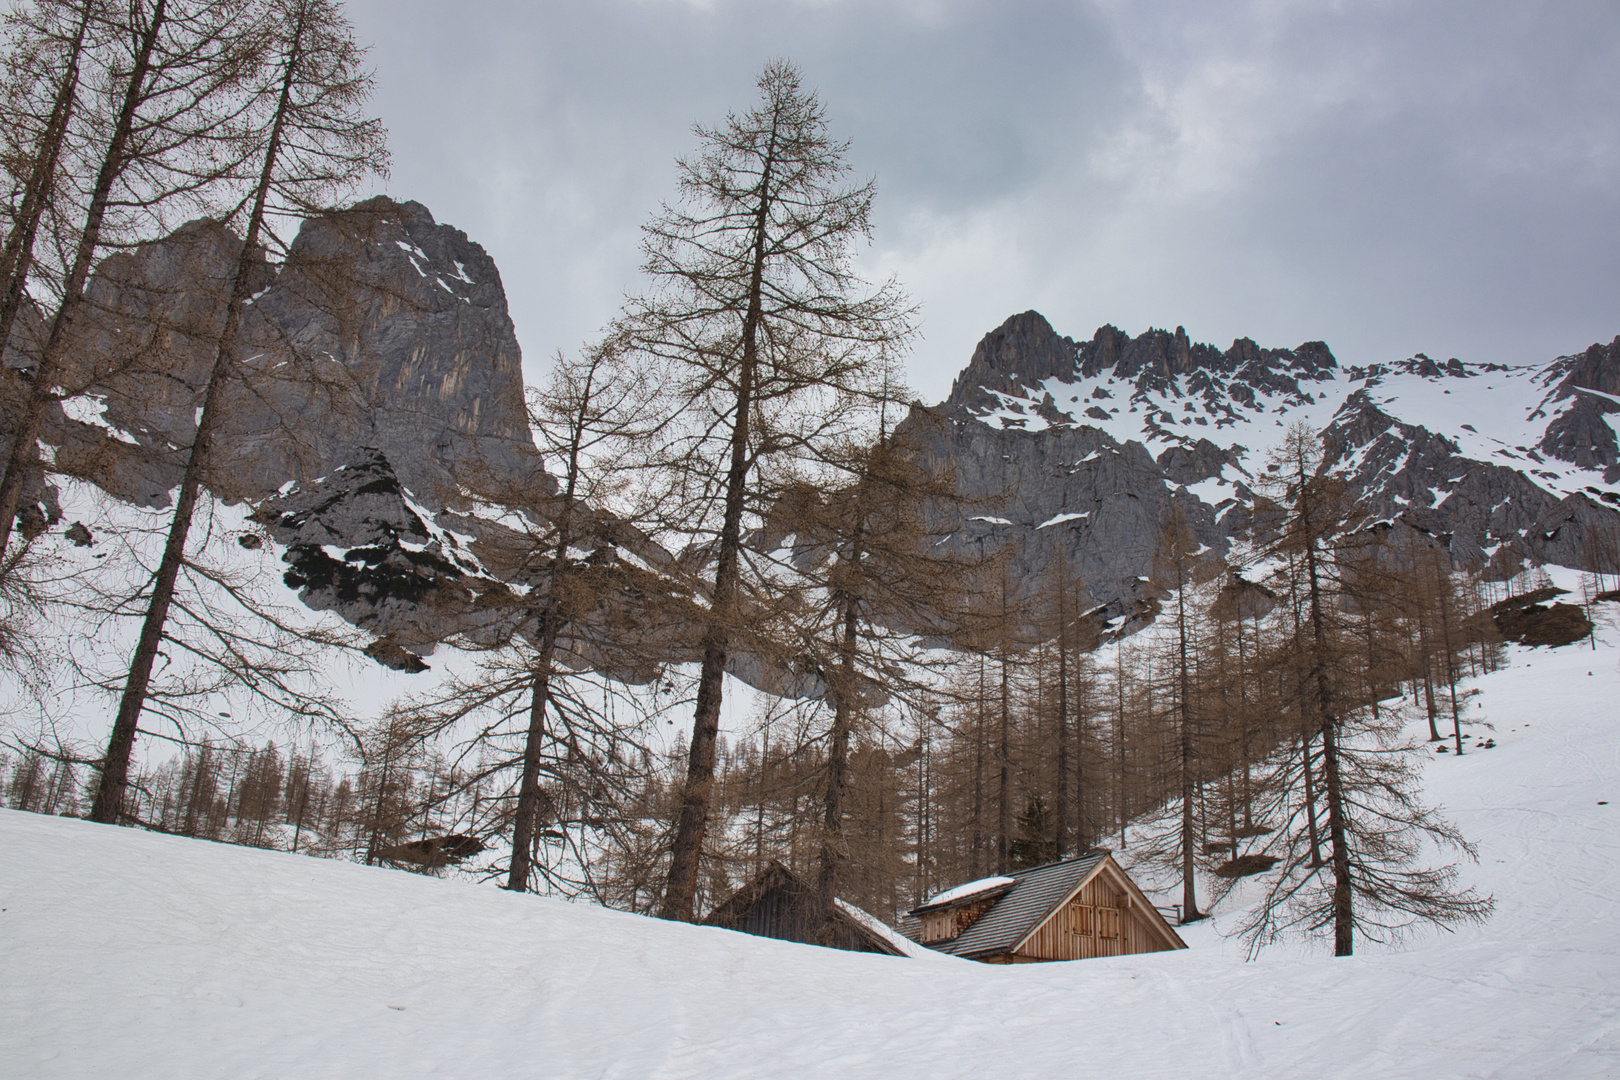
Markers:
(1071, 910)
(780, 904)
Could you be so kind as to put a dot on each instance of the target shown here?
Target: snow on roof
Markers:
(903, 945)
(972, 887)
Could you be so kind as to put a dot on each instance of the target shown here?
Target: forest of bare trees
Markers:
(922, 720)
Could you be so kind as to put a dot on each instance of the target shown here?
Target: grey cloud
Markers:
(1389, 177)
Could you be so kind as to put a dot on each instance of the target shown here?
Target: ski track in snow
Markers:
(133, 954)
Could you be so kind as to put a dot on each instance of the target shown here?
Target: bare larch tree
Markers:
(773, 345)
(316, 145)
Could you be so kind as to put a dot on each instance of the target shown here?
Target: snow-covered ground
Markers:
(137, 955)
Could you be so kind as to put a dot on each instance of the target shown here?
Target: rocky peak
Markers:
(416, 315)
(1598, 368)
(1013, 359)
(1153, 356)
(382, 329)
(1050, 449)
(1586, 385)
(1017, 368)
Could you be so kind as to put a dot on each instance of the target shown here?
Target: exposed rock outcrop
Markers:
(1529, 620)
(1013, 359)
(1589, 387)
(382, 329)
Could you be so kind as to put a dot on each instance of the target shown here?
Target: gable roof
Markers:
(899, 944)
(1035, 893)
(1029, 901)
(779, 903)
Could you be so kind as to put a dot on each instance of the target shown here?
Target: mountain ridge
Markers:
(380, 433)
(1495, 505)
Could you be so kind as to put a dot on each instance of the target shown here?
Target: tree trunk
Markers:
(1189, 882)
(834, 851)
(1004, 813)
(1081, 844)
(1063, 720)
(1451, 658)
(16, 262)
(1425, 657)
(1310, 804)
(680, 892)
(115, 768)
(1119, 739)
(377, 810)
(526, 825)
(1343, 909)
(23, 450)
(979, 860)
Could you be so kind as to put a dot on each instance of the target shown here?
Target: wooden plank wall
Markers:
(1097, 922)
(952, 923)
(791, 915)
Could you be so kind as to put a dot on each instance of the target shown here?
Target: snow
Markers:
(972, 887)
(89, 409)
(413, 253)
(1486, 411)
(140, 955)
(1212, 491)
(905, 945)
(127, 535)
(1061, 518)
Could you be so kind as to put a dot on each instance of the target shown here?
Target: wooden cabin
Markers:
(780, 904)
(1072, 910)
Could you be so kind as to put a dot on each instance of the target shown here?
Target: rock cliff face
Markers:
(382, 330)
(1587, 389)
(376, 421)
(1072, 454)
(376, 424)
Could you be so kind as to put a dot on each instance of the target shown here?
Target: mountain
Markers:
(1076, 450)
(378, 432)
(376, 427)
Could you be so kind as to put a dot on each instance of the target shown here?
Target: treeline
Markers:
(256, 796)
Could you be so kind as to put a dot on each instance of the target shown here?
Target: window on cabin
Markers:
(1084, 921)
(1108, 922)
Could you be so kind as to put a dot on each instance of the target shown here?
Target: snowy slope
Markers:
(137, 955)
(1490, 412)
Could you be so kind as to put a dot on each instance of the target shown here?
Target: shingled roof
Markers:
(1031, 899)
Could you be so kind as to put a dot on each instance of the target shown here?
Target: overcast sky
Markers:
(1388, 177)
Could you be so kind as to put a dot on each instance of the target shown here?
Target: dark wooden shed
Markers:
(777, 903)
